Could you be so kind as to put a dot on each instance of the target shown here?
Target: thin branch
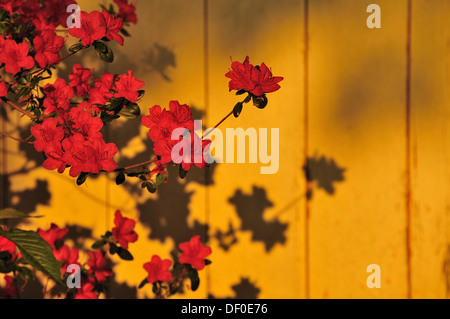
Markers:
(16, 138)
(18, 108)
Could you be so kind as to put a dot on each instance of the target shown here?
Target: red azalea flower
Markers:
(47, 45)
(88, 156)
(86, 124)
(98, 266)
(159, 168)
(53, 235)
(3, 89)
(10, 5)
(86, 291)
(68, 256)
(46, 132)
(57, 96)
(41, 24)
(93, 27)
(245, 76)
(55, 157)
(127, 11)
(113, 27)
(100, 93)
(15, 56)
(158, 270)
(127, 87)
(183, 114)
(198, 148)
(194, 253)
(124, 231)
(55, 11)
(79, 79)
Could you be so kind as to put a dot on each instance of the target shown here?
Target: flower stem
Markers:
(136, 165)
(229, 114)
(31, 116)
(16, 138)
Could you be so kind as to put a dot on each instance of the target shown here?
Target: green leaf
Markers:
(10, 213)
(195, 280)
(237, 109)
(155, 288)
(160, 179)
(208, 262)
(182, 172)
(124, 254)
(113, 249)
(35, 251)
(76, 47)
(260, 101)
(240, 92)
(151, 187)
(81, 178)
(143, 283)
(99, 244)
(120, 178)
(104, 52)
(131, 110)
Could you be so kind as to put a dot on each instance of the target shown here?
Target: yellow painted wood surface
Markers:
(375, 140)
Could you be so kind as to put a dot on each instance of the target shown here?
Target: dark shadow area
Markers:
(250, 209)
(78, 235)
(245, 289)
(325, 172)
(226, 239)
(167, 215)
(159, 59)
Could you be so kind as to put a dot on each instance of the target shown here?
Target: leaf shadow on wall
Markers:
(324, 173)
(250, 209)
(245, 289)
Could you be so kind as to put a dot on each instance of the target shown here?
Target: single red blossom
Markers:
(79, 79)
(86, 124)
(163, 148)
(113, 27)
(100, 93)
(47, 45)
(183, 114)
(68, 256)
(255, 80)
(127, 11)
(158, 270)
(10, 288)
(41, 23)
(53, 235)
(194, 253)
(192, 151)
(98, 266)
(55, 157)
(93, 27)
(15, 56)
(86, 291)
(57, 96)
(124, 231)
(128, 86)
(46, 132)
(88, 156)
(3, 89)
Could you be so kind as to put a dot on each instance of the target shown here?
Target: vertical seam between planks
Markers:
(206, 106)
(306, 146)
(408, 147)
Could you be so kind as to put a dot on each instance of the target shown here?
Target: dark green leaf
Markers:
(120, 178)
(143, 283)
(104, 52)
(124, 254)
(160, 179)
(113, 249)
(182, 172)
(260, 101)
(208, 262)
(10, 213)
(76, 47)
(155, 288)
(35, 251)
(248, 98)
(81, 178)
(240, 92)
(237, 109)
(195, 280)
(131, 110)
(125, 32)
(99, 244)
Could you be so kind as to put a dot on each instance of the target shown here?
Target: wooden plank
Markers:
(430, 105)
(257, 220)
(357, 123)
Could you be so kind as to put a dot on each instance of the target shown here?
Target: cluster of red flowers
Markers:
(194, 253)
(163, 125)
(74, 138)
(256, 80)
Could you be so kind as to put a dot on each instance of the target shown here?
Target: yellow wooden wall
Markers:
(367, 109)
